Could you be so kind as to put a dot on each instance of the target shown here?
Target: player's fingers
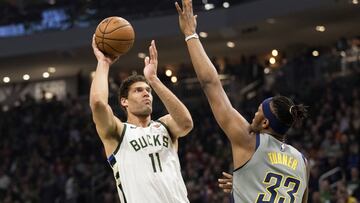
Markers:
(222, 186)
(223, 180)
(190, 7)
(111, 57)
(146, 61)
(93, 42)
(179, 10)
(225, 183)
(225, 186)
(227, 190)
(185, 6)
(227, 175)
(155, 50)
(151, 51)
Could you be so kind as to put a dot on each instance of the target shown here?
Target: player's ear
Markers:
(124, 102)
(265, 123)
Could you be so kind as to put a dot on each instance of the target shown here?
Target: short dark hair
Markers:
(287, 112)
(125, 86)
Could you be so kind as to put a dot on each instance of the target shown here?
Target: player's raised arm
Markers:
(179, 119)
(234, 125)
(105, 121)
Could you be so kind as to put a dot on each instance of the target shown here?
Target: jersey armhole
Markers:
(256, 147)
(307, 167)
(118, 146)
(304, 158)
(166, 127)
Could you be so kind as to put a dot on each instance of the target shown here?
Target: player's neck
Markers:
(275, 135)
(140, 121)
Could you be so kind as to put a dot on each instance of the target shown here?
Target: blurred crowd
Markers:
(85, 12)
(49, 150)
(329, 138)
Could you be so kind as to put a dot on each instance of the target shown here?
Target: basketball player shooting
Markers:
(265, 168)
(141, 152)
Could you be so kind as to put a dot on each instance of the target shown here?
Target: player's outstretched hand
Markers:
(100, 56)
(151, 63)
(187, 20)
(225, 183)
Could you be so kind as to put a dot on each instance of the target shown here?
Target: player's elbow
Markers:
(187, 125)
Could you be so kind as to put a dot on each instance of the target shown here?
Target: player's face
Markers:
(258, 120)
(139, 101)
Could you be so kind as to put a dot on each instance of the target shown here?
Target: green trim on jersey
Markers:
(167, 128)
(121, 139)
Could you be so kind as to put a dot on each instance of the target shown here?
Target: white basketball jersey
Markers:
(146, 166)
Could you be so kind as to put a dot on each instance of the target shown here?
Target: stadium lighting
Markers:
(173, 79)
(46, 75)
(315, 53)
(355, 2)
(272, 60)
(274, 52)
(209, 6)
(17, 104)
(266, 70)
(230, 44)
(343, 53)
(52, 2)
(26, 77)
(52, 69)
(141, 55)
(226, 4)
(5, 108)
(320, 28)
(203, 34)
(49, 95)
(168, 72)
(6, 79)
(271, 20)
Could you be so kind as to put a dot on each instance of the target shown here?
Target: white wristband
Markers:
(196, 36)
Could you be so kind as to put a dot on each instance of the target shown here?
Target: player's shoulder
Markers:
(265, 139)
(152, 124)
(293, 150)
(296, 153)
(130, 126)
(272, 141)
(159, 124)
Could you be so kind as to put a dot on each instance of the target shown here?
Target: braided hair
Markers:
(287, 112)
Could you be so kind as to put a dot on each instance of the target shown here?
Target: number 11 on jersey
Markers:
(153, 161)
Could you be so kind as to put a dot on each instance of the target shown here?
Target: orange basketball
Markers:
(114, 36)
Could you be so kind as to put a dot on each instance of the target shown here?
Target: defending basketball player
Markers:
(265, 168)
(141, 152)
